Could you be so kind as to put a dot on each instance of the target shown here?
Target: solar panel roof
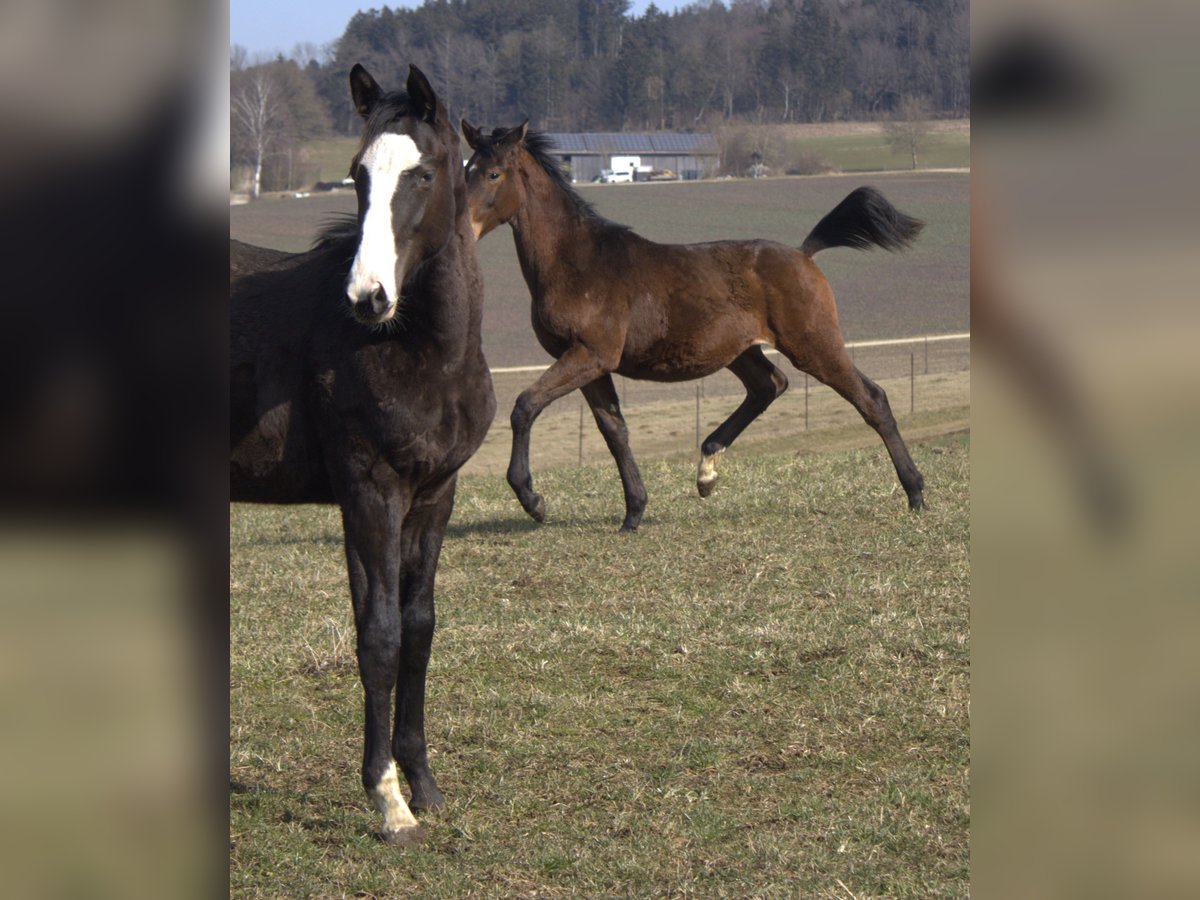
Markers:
(609, 142)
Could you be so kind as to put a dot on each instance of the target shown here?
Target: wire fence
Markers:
(920, 374)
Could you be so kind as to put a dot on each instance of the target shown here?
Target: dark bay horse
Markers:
(607, 300)
(358, 379)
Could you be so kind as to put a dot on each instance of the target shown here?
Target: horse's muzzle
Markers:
(373, 306)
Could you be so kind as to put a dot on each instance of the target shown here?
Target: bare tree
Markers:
(907, 130)
(257, 118)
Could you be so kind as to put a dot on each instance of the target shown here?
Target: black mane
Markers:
(539, 147)
(338, 231)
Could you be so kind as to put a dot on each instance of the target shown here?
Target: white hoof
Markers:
(706, 476)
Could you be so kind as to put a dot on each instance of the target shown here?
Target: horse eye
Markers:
(427, 177)
(493, 176)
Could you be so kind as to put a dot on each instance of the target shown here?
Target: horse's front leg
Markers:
(576, 367)
(372, 525)
(422, 545)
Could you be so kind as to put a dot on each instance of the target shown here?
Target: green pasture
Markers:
(760, 694)
(871, 153)
(331, 156)
(846, 153)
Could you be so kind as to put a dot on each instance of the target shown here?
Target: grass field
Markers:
(870, 152)
(762, 694)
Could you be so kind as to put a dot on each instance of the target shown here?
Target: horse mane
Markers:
(337, 232)
(539, 145)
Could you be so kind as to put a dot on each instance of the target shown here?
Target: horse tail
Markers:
(863, 219)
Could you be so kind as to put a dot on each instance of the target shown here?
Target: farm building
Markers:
(689, 156)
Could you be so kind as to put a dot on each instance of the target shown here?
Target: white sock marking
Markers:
(388, 158)
(708, 468)
(389, 801)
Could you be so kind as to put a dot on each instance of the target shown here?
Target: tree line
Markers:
(588, 65)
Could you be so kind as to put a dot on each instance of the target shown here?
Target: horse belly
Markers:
(665, 365)
(695, 343)
(273, 458)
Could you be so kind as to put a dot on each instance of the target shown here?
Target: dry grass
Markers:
(762, 694)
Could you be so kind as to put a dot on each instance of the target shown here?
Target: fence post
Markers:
(581, 432)
(926, 354)
(806, 401)
(698, 383)
(912, 381)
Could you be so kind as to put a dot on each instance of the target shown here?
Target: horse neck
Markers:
(454, 285)
(548, 226)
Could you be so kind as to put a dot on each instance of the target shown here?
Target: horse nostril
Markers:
(369, 300)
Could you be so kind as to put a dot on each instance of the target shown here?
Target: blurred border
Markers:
(1084, 421)
(113, 484)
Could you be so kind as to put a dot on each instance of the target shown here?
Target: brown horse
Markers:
(607, 300)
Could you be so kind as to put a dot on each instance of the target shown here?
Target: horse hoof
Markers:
(706, 487)
(916, 502)
(427, 801)
(629, 528)
(538, 510)
(404, 837)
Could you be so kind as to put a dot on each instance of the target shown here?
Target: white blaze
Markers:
(389, 801)
(388, 158)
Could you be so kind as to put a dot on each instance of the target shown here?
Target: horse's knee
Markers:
(378, 657)
(418, 620)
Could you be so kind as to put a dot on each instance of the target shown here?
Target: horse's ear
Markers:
(420, 92)
(515, 136)
(365, 91)
(471, 134)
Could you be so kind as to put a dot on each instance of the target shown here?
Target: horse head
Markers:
(494, 190)
(407, 174)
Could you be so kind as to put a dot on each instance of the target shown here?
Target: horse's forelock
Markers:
(392, 106)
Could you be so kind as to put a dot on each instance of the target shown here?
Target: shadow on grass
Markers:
(521, 525)
(505, 526)
(293, 541)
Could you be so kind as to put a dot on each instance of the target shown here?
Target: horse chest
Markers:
(413, 413)
(558, 318)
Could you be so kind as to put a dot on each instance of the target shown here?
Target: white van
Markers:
(608, 176)
(623, 170)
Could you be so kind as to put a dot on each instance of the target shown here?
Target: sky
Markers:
(268, 27)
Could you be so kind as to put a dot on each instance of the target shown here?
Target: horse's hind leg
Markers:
(835, 369)
(602, 399)
(764, 382)
(881, 419)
